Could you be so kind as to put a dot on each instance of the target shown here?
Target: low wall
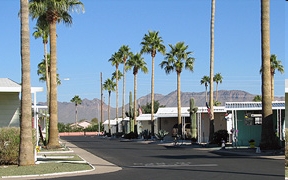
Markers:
(80, 133)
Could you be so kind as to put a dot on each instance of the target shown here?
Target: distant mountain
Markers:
(90, 109)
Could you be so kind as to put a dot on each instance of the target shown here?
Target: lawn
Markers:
(55, 163)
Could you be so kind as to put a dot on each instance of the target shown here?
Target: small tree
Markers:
(147, 108)
(257, 98)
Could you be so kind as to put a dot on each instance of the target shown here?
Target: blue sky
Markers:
(83, 50)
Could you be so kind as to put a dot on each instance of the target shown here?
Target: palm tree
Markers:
(275, 65)
(268, 139)
(151, 43)
(176, 60)
(137, 63)
(42, 70)
(26, 154)
(120, 75)
(77, 100)
(211, 114)
(205, 80)
(115, 61)
(49, 13)
(124, 53)
(109, 85)
(257, 98)
(43, 32)
(218, 79)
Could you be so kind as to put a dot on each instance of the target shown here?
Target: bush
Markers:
(67, 128)
(161, 134)
(146, 134)
(9, 145)
(219, 136)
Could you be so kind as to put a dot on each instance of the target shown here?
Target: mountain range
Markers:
(90, 109)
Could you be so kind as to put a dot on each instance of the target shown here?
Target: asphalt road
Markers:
(142, 161)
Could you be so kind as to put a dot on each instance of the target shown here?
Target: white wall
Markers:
(286, 109)
(9, 109)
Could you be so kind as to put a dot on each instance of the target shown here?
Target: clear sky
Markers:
(83, 50)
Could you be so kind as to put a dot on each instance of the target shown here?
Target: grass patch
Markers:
(44, 168)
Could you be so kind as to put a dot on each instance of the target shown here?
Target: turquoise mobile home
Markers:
(247, 121)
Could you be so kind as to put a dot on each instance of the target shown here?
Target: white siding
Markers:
(9, 109)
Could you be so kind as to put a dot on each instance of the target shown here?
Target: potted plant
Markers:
(252, 143)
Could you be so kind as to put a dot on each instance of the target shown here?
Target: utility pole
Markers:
(101, 98)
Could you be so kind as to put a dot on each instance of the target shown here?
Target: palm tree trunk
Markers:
(47, 74)
(116, 98)
(179, 103)
(272, 86)
(216, 91)
(135, 103)
(53, 109)
(109, 126)
(268, 139)
(123, 94)
(152, 98)
(211, 115)
(206, 93)
(26, 155)
(76, 113)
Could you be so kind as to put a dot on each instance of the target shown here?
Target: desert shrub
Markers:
(9, 145)
(219, 136)
(161, 134)
(145, 134)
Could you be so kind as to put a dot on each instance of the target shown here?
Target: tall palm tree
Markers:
(152, 43)
(124, 53)
(205, 80)
(137, 63)
(26, 155)
(115, 61)
(43, 32)
(268, 139)
(77, 100)
(218, 79)
(211, 103)
(275, 65)
(109, 86)
(175, 60)
(49, 13)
